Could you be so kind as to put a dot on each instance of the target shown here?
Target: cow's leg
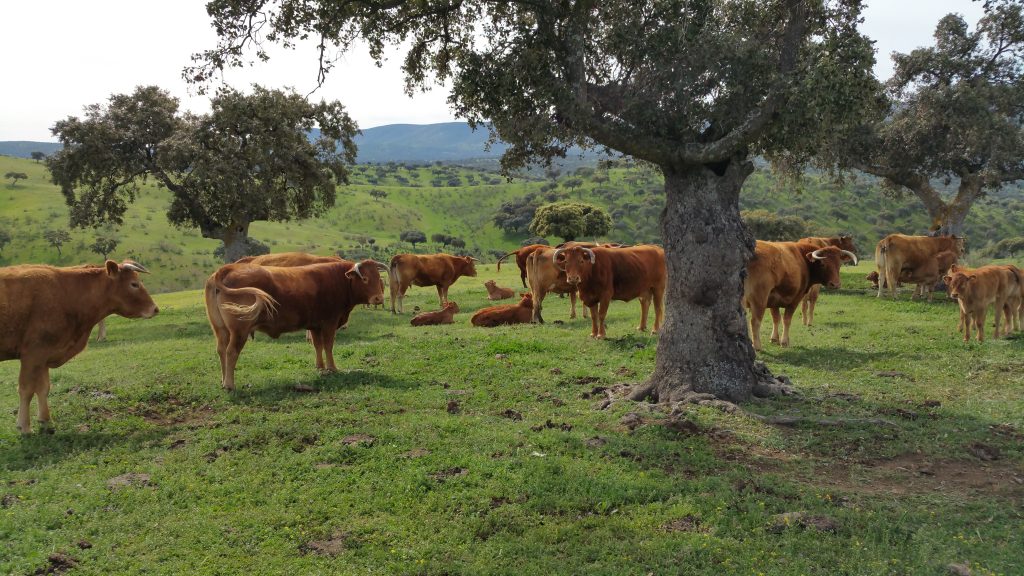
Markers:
(234, 348)
(223, 336)
(43, 399)
(595, 321)
(756, 316)
(318, 346)
(776, 321)
(538, 301)
(659, 309)
(440, 295)
(29, 378)
(603, 311)
(327, 343)
(572, 305)
(808, 304)
(101, 332)
(645, 306)
(979, 324)
(998, 310)
(787, 318)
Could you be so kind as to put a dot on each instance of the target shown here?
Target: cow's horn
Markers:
(133, 265)
(380, 265)
(589, 253)
(816, 254)
(473, 259)
(357, 270)
(851, 255)
(554, 255)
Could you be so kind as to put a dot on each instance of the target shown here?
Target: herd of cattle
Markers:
(48, 313)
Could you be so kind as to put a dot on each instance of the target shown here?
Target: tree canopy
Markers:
(249, 159)
(413, 237)
(952, 113)
(571, 220)
(15, 176)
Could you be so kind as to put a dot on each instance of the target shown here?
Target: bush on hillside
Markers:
(1005, 248)
(765, 225)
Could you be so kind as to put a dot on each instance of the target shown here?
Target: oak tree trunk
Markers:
(704, 346)
(235, 237)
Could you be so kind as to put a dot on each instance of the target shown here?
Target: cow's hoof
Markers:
(46, 427)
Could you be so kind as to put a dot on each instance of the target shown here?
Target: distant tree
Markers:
(57, 238)
(5, 239)
(571, 220)
(535, 240)
(458, 243)
(378, 194)
(515, 215)
(249, 159)
(572, 183)
(413, 237)
(953, 113)
(585, 172)
(15, 176)
(444, 239)
(765, 225)
(37, 156)
(104, 245)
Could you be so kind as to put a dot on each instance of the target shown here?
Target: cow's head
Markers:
(576, 261)
(491, 285)
(466, 265)
(824, 264)
(451, 307)
(366, 281)
(873, 278)
(127, 294)
(527, 299)
(845, 242)
(959, 284)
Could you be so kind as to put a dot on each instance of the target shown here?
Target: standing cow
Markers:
(605, 274)
(977, 289)
(243, 298)
(898, 254)
(843, 242)
(47, 314)
(440, 270)
(779, 276)
(521, 255)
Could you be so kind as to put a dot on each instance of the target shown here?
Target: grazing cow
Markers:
(440, 270)
(898, 254)
(779, 276)
(605, 274)
(844, 242)
(446, 315)
(243, 298)
(521, 255)
(495, 292)
(520, 313)
(977, 289)
(47, 314)
(544, 278)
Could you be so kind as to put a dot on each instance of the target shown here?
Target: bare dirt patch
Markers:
(57, 563)
(917, 474)
(688, 523)
(332, 546)
(130, 479)
(358, 440)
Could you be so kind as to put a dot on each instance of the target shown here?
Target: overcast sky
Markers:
(60, 55)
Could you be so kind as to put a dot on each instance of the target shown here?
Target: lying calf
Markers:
(495, 292)
(445, 315)
(520, 313)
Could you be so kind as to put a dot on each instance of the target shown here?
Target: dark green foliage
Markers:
(15, 176)
(37, 156)
(378, 194)
(443, 239)
(765, 225)
(571, 220)
(1005, 248)
(515, 216)
(535, 240)
(57, 238)
(458, 243)
(413, 237)
(104, 245)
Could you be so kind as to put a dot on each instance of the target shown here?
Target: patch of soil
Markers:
(442, 475)
(688, 523)
(176, 444)
(894, 374)
(8, 500)
(512, 414)
(332, 546)
(593, 392)
(303, 388)
(624, 372)
(631, 420)
(1006, 431)
(780, 522)
(416, 453)
(917, 474)
(358, 439)
(564, 426)
(595, 442)
(57, 563)
(130, 479)
(177, 415)
(453, 407)
(84, 544)
(984, 452)
(579, 381)
(212, 456)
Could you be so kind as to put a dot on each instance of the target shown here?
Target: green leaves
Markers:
(571, 220)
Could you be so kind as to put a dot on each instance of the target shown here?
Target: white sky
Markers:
(60, 55)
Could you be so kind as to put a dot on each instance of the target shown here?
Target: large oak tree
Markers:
(695, 87)
(953, 114)
(250, 159)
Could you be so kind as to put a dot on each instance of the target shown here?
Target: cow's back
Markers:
(635, 271)
(36, 309)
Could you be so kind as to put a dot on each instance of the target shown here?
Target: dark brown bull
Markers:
(243, 298)
(521, 255)
(898, 254)
(439, 270)
(504, 314)
(47, 314)
(843, 242)
(779, 276)
(605, 274)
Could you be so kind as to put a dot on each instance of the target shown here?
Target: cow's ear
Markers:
(810, 257)
(971, 277)
(112, 268)
(947, 279)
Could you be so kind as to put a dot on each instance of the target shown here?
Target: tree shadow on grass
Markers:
(39, 450)
(280, 390)
(830, 358)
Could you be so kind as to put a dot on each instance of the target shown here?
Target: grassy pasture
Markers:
(414, 460)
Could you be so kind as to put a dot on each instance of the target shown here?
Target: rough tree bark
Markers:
(235, 237)
(704, 346)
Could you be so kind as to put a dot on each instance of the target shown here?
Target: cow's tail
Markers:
(264, 303)
(393, 281)
(500, 260)
(881, 261)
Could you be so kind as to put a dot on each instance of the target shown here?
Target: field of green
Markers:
(459, 201)
(459, 450)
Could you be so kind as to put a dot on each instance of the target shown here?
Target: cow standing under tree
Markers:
(440, 270)
(605, 274)
(780, 275)
(843, 242)
(47, 314)
(243, 298)
(899, 254)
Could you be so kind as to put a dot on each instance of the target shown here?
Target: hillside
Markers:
(454, 200)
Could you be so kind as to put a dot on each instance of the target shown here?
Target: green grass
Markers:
(260, 480)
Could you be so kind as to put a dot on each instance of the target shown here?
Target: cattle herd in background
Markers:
(47, 313)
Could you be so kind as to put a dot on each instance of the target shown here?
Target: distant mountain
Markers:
(446, 142)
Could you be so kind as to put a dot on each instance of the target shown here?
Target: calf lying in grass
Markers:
(520, 313)
(445, 315)
(495, 292)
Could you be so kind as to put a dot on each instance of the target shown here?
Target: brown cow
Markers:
(47, 314)
(977, 289)
(779, 276)
(243, 298)
(605, 274)
(544, 278)
(440, 270)
(843, 242)
(495, 292)
(897, 254)
(520, 313)
(929, 274)
(521, 255)
(445, 315)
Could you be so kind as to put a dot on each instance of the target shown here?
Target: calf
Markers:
(520, 313)
(495, 292)
(977, 289)
(445, 315)
(47, 314)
